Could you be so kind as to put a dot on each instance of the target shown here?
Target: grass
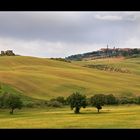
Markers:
(26, 99)
(40, 78)
(126, 116)
(43, 78)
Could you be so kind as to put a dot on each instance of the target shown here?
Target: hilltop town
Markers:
(105, 52)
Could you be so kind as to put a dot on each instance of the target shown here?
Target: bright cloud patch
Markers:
(43, 48)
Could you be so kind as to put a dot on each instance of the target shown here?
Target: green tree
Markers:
(138, 100)
(1, 101)
(77, 100)
(3, 97)
(98, 101)
(13, 102)
(110, 99)
(54, 103)
(61, 99)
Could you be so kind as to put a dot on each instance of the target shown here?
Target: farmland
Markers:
(43, 78)
(126, 116)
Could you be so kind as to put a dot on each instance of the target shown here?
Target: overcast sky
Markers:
(60, 34)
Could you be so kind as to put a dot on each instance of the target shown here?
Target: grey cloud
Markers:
(53, 26)
(68, 28)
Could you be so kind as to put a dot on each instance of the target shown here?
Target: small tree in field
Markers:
(76, 100)
(98, 101)
(13, 102)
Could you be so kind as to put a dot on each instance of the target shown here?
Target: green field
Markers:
(42, 78)
(126, 116)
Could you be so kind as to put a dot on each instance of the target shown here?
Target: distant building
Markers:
(125, 49)
(114, 49)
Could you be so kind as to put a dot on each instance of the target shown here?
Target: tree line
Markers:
(61, 59)
(76, 101)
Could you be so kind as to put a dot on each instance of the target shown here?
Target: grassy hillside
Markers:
(43, 78)
(126, 116)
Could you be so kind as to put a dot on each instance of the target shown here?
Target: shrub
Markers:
(3, 98)
(54, 104)
(126, 100)
(30, 105)
(138, 100)
(61, 99)
(110, 99)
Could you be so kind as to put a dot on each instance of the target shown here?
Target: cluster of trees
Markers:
(76, 101)
(57, 102)
(7, 53)
(61, 59)
(131, 52)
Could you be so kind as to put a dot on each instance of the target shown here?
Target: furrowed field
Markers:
(44, 78)
(126, 116)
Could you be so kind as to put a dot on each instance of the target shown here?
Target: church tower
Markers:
(107, 50)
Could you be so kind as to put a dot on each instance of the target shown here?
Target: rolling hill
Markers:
(43, 78)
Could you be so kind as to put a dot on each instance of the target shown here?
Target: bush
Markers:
(30, 105)
(61, 99)
(138, 100)
(88, 102)
(110, 99)
(126, 100)
(61, 59)
(3, 99)
(54, 104)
